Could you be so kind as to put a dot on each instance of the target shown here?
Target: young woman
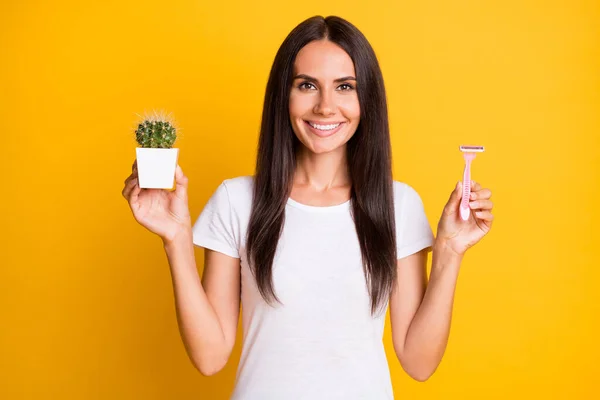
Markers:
(318, 242)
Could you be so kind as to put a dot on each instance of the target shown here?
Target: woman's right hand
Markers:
(161, 211)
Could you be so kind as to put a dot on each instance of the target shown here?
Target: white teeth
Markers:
(324, 127)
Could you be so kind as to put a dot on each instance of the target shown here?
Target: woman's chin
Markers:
(323, 148)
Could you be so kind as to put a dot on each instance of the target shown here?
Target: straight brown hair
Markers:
(369, 161)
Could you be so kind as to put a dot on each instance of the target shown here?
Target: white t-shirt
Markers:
(323, 342)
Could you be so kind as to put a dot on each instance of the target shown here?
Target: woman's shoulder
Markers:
(239, 189)
(405, 194)
(241, 183)
(401, 188)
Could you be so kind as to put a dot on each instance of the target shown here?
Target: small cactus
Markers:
(156, 131)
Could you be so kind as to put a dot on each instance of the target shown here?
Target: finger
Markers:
(129, 178)
(454, 200)
(481, 204)
(131, 185)
(456, 194)
(484, 215)
(128, 185)
(475, 187)
(481, 194)
(181, 182)
(134, 165)
(133, 195)
(180, 177)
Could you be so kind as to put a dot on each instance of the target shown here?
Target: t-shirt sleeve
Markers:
(413, 232)
(215, 228)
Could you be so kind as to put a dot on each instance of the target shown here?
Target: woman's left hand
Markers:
(459, 235)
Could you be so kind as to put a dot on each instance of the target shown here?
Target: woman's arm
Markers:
(207, 310)
(421, 312)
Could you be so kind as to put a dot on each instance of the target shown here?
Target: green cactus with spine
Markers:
(156, 132)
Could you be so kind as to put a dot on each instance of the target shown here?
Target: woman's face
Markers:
(324, 108)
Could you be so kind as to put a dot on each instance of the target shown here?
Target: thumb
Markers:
(455, 196)
(181, 182)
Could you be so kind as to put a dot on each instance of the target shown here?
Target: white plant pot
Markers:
(156, 167)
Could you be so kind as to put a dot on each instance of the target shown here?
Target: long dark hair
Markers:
(368, 154)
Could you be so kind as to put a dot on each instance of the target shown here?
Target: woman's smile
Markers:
(324, 130)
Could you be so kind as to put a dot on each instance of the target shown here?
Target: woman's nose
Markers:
(325, 105)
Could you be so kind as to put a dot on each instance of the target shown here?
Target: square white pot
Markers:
(156, 167)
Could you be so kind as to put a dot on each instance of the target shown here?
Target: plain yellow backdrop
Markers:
(86, 300)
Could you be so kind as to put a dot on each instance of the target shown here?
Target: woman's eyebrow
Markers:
(311, 79)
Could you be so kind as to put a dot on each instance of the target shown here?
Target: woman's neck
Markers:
(322, 171)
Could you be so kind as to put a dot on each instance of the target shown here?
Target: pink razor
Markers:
(469, 155)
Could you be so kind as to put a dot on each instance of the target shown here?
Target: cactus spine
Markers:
(156, 133)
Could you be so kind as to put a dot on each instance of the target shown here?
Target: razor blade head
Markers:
(472, 149)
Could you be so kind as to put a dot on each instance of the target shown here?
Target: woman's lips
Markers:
(321, 133)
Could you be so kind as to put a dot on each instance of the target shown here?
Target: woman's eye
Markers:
(304, 85)
(346, 87)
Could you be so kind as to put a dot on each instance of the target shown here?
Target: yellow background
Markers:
(86, 299)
